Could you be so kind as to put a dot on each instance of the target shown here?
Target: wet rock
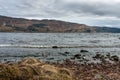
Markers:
(83, 57)
(108, 55)
(54, 46)
(50, 58)
(114, 58)
(78, 56)
(83, 51)
(43, 55)
(64, 54)
(98, 56)
(67, 52)
(72, 58)
(5, 59)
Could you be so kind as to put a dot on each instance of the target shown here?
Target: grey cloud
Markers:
(100, 9)
(61, 9)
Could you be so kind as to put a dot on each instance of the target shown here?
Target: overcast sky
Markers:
(91, 12)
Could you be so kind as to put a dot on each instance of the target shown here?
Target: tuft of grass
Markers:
(8, 72)
(32, 69)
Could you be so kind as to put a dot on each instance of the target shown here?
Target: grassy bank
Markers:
(33, 69)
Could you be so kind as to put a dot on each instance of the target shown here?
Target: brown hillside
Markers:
(8, 24)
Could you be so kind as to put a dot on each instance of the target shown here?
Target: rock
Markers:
(72, 58)
(54, 46)
(78, 56)
(67, 52)
(98, 56)
(50, 58)
(114, 58)
(5, 59)
(64, 54)
(108, 55)
(83, 51)
(83, 57)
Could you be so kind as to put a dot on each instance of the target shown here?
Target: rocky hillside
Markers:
(8, 24)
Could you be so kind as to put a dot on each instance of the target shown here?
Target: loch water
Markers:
(16, 46)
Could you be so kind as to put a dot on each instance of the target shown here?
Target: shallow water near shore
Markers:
(15, 46)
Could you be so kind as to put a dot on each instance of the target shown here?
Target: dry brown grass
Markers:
(33, 69)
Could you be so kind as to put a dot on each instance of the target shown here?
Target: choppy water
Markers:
(14, 46)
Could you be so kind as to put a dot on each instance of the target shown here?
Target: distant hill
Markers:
(107, 29)
(9, 24)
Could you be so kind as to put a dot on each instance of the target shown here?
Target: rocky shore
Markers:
(33, 69)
